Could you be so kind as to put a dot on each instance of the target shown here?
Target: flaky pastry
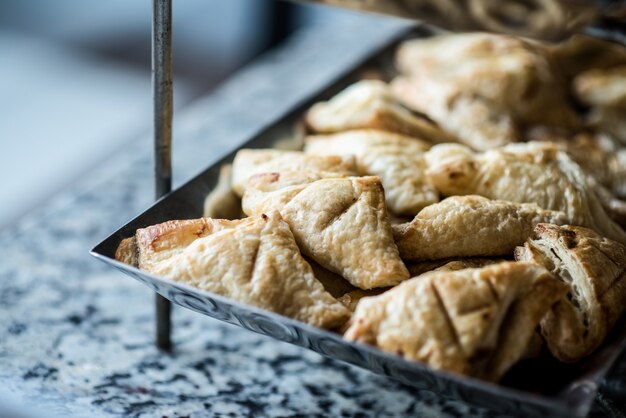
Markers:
(254, 261)
(595, 269)
(398, 161)
(534, 172)
(339, 222)
(483, 88)
(369, 104)
(470, 226)
(254, 161)
(471, 321)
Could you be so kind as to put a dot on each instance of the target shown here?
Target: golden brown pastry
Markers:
(527, 173)
(470, 226)
(483, 88)
(254, 161)
(595, 268)
(255, 261)
(369, 104)
(339, 222)
(473, 321)
(398, 161)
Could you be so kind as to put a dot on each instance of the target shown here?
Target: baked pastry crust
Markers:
(471, 321)
(398, 160)
(249, 162)
(534, 172)
(470, 226)
(255, 261)
(483, 88)
(595, 268)
(417, 268)
(369, 104)
(339, 222)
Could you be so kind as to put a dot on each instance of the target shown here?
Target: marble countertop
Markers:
(76, 337)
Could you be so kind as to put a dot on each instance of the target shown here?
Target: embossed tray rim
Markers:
(186, 202)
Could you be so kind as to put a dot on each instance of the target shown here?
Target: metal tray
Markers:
(533, 387)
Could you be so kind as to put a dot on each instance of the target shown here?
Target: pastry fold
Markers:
(255, 261)
(339, 222)
(472, 321)
(534, 172)
(249, 162)
(595, 269)
(398, 161)
(470, 226)
(369, 104)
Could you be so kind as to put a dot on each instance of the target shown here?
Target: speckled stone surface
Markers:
(76, 337)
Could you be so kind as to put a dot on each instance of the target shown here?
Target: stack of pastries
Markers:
(470, 208)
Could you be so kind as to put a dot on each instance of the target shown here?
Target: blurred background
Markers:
(75, 78)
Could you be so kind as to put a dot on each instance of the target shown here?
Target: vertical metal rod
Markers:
(162, 97)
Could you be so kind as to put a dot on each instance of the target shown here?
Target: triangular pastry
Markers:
(475, 321)
(534, 172)
(339, 222)
(398, 161)
(255, 261)
(254, 161)
(369, 104)
(595, 268)
(470, 226)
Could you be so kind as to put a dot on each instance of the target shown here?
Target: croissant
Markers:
(398, 161)
(255, 261)
(535, 172)
(470, 226)
(477, 322)
(595, 269)
(341, 223)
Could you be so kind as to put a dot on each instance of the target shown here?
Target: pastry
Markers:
(255, 261)
(470, 226)
(398, 161)
(369, 104)
(595, 269)
(254, 161)
(473, 321)
(534, 172)
(339, 222)
(485, 89)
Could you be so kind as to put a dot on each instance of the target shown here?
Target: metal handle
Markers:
(162, 97)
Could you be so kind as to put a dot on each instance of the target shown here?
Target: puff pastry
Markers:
(254, 161)
(369, 104)
(254, 261)
(472, 321)
(470, 226)
(417, 268)
(527, 173)
(483, 88)
(398, 161)
(339, 222)
(595, 268)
